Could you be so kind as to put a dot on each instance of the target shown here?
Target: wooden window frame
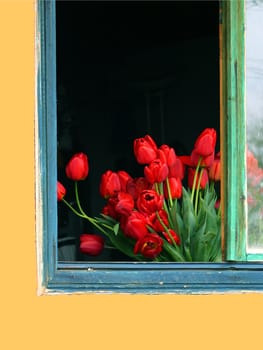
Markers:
(236, 274)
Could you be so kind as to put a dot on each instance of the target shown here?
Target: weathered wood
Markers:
(233, 143)
(147, 278)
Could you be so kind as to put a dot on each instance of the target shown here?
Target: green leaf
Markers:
(116, 228)
(188, 215)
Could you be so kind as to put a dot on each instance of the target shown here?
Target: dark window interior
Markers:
(124, 70)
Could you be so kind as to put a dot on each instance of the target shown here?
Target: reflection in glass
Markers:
(254, 113)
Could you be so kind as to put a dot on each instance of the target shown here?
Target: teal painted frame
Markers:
(233, 124)
(143, 278)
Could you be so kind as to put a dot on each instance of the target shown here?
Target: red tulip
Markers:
(78, 167)
(175, 186)
(156, 171)
(217, 204)
(149, 246)
(136, 186)
(125, 203)
(149, 202)
(61, 191)
(156, 224)
(110, 184)
(145, 149)
(91, 244)
(214, 171)
(175, 165)
(205, 143)
(174, 236)
(167, 154)
(204, 148)
(135, 225)
(124, 177)
(205, 161)
(204, 178)
(110, 208)
(186, 160)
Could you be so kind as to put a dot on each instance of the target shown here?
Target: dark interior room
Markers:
(124, 70)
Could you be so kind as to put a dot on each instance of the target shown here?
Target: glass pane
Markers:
(254, 111)
(125, 70)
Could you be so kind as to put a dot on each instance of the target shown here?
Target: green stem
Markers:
(156, 187)
(73, 209)
(85, 216)
(219, 210)
(169, 192)
(195, 179)
(173, 253)
(198, 189)
(159, 189)
(77, 198)
(166, 229)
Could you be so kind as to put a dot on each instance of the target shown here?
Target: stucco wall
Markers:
(86, 321)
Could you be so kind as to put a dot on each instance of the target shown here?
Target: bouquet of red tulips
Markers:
(155, 217)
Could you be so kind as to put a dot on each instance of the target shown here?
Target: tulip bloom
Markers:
(149, 246)
(135, 225)
(204, 178)
(61, 191)
(145, 149)
(135, 186)
(156, 171)
(91, 244)
(149, 202)
(110, 184)
(78, 167)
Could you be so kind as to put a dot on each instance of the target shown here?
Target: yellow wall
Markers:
(86, 321)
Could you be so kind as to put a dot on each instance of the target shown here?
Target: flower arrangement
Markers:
(156, 217)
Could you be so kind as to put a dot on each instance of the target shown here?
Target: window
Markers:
(118, 79)
(254, 93)
(236, 273)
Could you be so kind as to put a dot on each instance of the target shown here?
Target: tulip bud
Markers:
(91, 244)
(205, 143)
(204, 148)
(214, 171)
(175, 188)
(78, 167)
(61, 191)
(145, 149)
(124, 178)
(110, 184)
